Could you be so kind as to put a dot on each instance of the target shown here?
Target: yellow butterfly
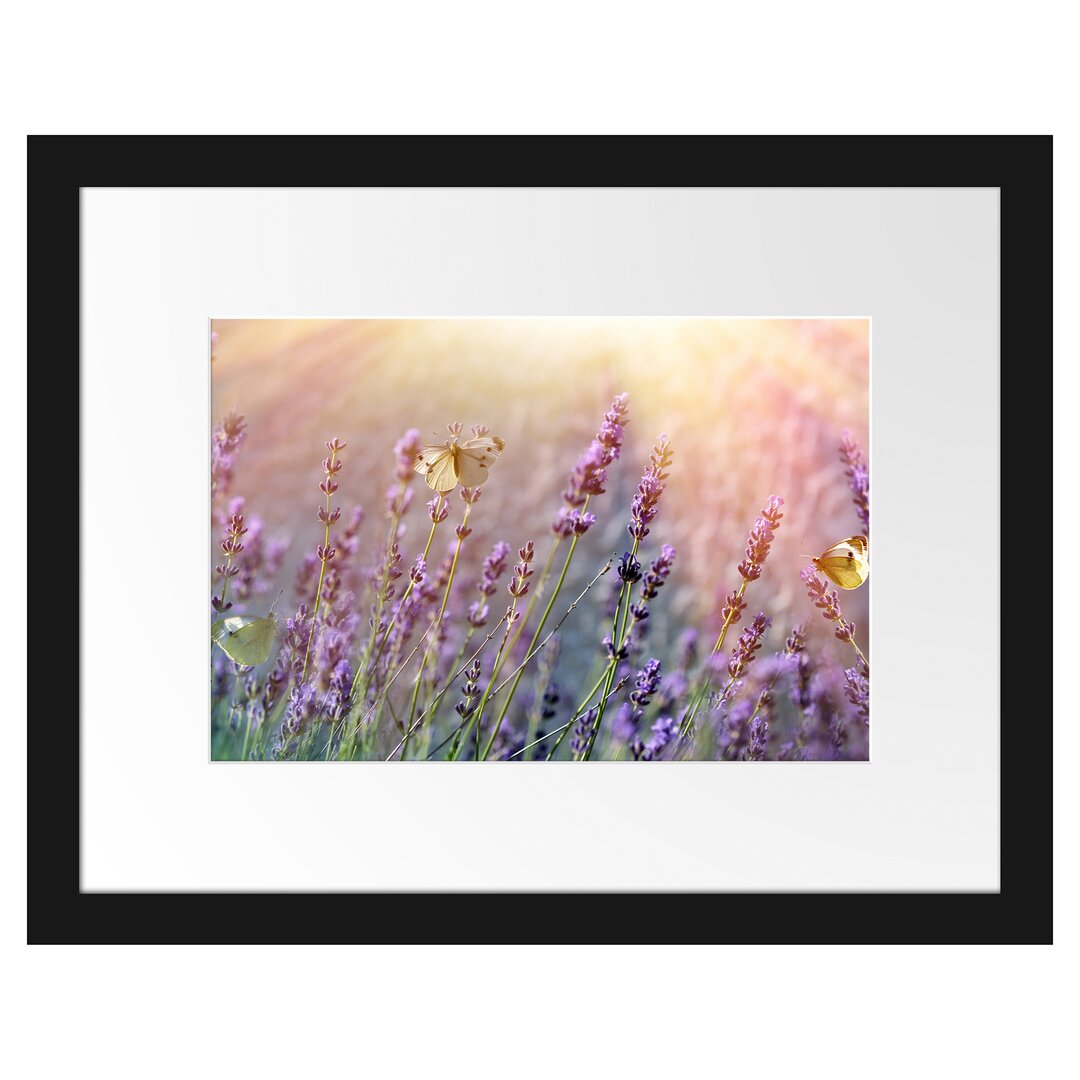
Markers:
(245, 639)
(456, 462)
(846, 563)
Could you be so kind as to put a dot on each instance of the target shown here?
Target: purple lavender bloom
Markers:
(688, 642)
(648, 681)
(742, 656)
(731, 735)
(523, 570)
(438, 510)
(471, 690)
(405, 615)
(857, 688)
(582, 733)
(829, 602)
(800, 681)
(226, 440)
(298, 715)
(398, 499)
(399, 495)
(664, 732)
(590, 472)
(419, 571)
(673, 687)
(658, 572)
(734, 606)
(549, 701)
(231, 547)
(624, 726)
(858, 478)
(406, 451)
(478, 614)
(494, 565)
(629, 569)
(616, 418)
(757, 739)
(337, 694)
(760, 539)
(646, 501)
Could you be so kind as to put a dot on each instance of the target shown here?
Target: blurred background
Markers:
(753, 407)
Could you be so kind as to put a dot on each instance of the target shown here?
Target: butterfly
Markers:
(846, 563)
(245, 639)
(453, 463)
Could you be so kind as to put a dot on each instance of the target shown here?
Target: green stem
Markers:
(537, 592)
(703, 689)
(450, 682)
(395, 523)
(578, 711)
(618, 630)
(322, 566)
(540, 627)
(433, 644)
(479, 713)
(569, 611)
(405, 596)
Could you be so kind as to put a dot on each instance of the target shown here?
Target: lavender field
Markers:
(624, 581)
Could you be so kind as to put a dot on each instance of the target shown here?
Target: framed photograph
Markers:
(507, 530)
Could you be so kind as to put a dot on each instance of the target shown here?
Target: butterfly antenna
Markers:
(274, 604)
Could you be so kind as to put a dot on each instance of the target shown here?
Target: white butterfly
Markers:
(455, 462)
(847, 562)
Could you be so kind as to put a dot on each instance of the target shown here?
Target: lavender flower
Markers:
(519, 586)
(858, 478)
(494, 564)
(298, 715)
(757, 736)
(629, 569)
(406, 450)
(829, 602)
(658, 572)
(673, 687)
(760, 539)
(226, 440)
(742, 656)
(624, 726)
(664, 732)
(795, 647)
(857, 688)
(549, 699)
(646, 500)
(734, 606)
(261, 559)
(732, 729)
(590, 473)
(581, 736)
(231, 546)
(399, 495)
(647, 682)
(471, 689)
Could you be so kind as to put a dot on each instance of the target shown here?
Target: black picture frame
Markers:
(1020, 166)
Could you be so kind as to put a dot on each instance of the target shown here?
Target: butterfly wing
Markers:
(843, 570)
(245, 639)
(858, 544)
(846, 563)
(475, 457)
(436, 465)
